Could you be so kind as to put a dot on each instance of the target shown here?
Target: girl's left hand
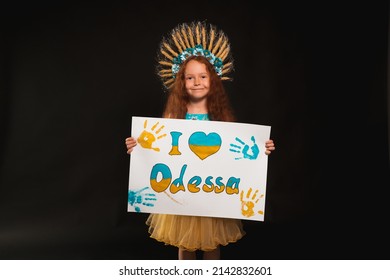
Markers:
(269, 146)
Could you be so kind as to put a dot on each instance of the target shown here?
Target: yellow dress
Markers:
(194, 232)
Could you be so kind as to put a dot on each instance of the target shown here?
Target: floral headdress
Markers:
(195, 38)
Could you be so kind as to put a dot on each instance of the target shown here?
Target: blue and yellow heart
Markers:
(204, 145)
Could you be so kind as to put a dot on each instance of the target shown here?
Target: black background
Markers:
(74, 73)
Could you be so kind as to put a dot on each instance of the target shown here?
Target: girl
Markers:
(196, 93)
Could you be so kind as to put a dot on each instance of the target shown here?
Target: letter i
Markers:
(175, 143)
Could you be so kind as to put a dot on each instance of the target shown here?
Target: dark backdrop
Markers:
(73, 75)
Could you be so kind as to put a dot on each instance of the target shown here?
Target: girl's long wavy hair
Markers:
(218, 103)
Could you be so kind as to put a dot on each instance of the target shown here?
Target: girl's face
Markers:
(197, 80)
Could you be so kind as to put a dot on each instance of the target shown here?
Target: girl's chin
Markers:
(196, 97)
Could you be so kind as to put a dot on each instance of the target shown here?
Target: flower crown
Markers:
(195, 38)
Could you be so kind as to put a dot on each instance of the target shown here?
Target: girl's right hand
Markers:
(130, 144)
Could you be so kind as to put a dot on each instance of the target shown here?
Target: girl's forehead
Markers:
(195, 66)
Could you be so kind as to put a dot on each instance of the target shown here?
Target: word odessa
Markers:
(231, 187)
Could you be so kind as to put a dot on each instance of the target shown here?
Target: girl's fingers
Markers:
(130, 144)
(270, 146)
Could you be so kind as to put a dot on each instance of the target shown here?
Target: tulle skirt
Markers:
(193, 233)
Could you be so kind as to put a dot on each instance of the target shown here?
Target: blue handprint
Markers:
(135, 197)
(245, 151)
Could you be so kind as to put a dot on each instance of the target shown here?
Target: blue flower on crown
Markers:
(218, 62)
(198, 50)
(177, 60)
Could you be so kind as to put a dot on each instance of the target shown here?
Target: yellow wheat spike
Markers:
(167, 55)
(183, 32)
(170, 49)
(204, 37)
(222, 48)
(176, 43)
(165, 63)
(217, 44)
(178, 36)
(169, 81)
(225, 71)
(166, 75)
(212, 34)
(197, 34)
(224, 54)
(191, 35)
(164, 71)
(227, 65)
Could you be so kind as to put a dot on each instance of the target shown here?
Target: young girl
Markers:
(196, 92)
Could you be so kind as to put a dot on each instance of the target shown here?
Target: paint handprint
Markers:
(147, 138)
(136, 198)
(248, 205)
(243, 149)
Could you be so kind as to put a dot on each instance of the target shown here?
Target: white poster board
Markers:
(198, 168)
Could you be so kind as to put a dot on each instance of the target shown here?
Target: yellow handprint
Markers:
(248, 205)
(146, 139)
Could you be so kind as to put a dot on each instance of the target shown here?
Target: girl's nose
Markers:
(197, 81)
